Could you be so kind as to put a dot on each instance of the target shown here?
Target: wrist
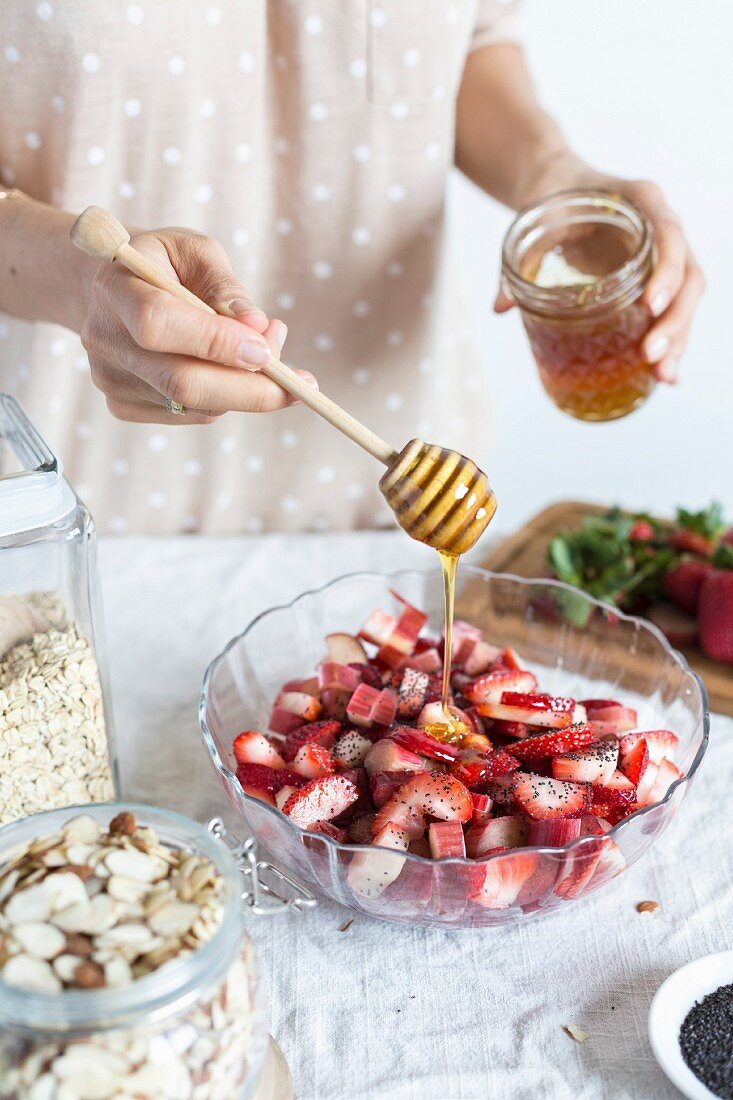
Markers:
(43, 277)
(550, 170)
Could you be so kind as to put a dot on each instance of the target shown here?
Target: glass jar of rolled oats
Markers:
(125, 970)
(56, 746)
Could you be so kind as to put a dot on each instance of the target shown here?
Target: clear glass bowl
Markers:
(575, 646)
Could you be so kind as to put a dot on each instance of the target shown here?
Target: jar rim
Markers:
(164, 992)
(608, 289)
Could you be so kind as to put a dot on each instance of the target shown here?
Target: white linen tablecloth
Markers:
(383, 1010)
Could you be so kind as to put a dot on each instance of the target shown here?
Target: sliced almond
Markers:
(40, 939)
(129, 863)
(82, 830)
(64, 966)
(29, 973)
(647, 906)
(117, 972)
(174, 919)
(35, 903)
(125, 935)
(576, 1033)
(126, 889)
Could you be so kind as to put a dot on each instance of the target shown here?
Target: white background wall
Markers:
(642, 88)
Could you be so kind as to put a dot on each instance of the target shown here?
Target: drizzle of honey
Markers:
(451, 731)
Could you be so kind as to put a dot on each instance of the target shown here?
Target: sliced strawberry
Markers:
(253, 748)
(518, 730)
(446, 840)
(282, 795)
(258, 777)
(536, 701)
(541, 797)
(605, 710)
(441, 796)
(334, 703)
(511, 659)
(646, 784)
(503, 878)
(320, 800)
(346, 649)
(385, 785)
(580, 866)
(500, 790)
(532, 708)
(322, 733)
(372, 872)
(553, 832)
(633, 761)
(482, 805)
(417, 741)
(335, 833)
(351, 749)
(552, 744)
(662, 744)
(411, 694)
(389, 756)
(668, 773)
(490, 687)
(338, 677)
(594, 764)
(618, 797)
(475, 772)
(499, 832)
(313, 761)
(300, 704)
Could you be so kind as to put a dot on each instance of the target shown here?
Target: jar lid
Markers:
(33, 490)
(166, 991)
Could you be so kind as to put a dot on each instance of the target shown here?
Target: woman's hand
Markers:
(145, 346)
(677, 282)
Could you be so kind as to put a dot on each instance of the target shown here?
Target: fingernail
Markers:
(241, 306)
(660, 301)
(657, 348)
(667, 371)
(309, 378)
(280, 333)
(254, 352)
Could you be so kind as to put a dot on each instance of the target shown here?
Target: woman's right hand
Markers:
(145, 346)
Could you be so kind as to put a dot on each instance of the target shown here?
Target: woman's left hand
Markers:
(677, 281)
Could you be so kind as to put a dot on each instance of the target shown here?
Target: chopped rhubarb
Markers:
(446, 840)
(361, 704)
(334, 676)
(418, 741)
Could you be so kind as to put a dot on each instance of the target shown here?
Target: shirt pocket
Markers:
(416, 49)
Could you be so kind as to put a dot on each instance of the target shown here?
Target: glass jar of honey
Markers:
(576, 265)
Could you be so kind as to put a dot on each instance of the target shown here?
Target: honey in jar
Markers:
(576, 264)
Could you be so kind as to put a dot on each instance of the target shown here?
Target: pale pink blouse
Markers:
(313, 138)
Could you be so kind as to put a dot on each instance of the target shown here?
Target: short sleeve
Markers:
(496, 21)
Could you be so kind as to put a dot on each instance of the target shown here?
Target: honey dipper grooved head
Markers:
(438, 496)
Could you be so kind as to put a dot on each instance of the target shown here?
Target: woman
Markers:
(307, 145)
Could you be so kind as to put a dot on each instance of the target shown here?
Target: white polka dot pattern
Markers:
(320, 165)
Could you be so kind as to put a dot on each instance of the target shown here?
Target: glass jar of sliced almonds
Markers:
(125, 970)
(56, 744)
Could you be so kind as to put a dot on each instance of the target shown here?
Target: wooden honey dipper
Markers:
(438, 496)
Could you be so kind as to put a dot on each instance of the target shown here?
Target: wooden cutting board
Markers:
(525, 554)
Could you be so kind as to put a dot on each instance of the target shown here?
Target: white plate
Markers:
(672, 1001)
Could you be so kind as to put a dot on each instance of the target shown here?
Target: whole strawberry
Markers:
(683, 582)
(715, 615)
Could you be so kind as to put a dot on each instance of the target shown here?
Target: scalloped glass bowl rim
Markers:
(474, 570)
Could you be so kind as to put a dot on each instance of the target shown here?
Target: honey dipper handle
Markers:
(99, 234)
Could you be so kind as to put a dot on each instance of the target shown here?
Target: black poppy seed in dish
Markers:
(706, 1041)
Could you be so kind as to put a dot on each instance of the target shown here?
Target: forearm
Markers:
(505, 142)
(42, 276)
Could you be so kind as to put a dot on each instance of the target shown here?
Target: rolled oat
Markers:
(53, 745)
